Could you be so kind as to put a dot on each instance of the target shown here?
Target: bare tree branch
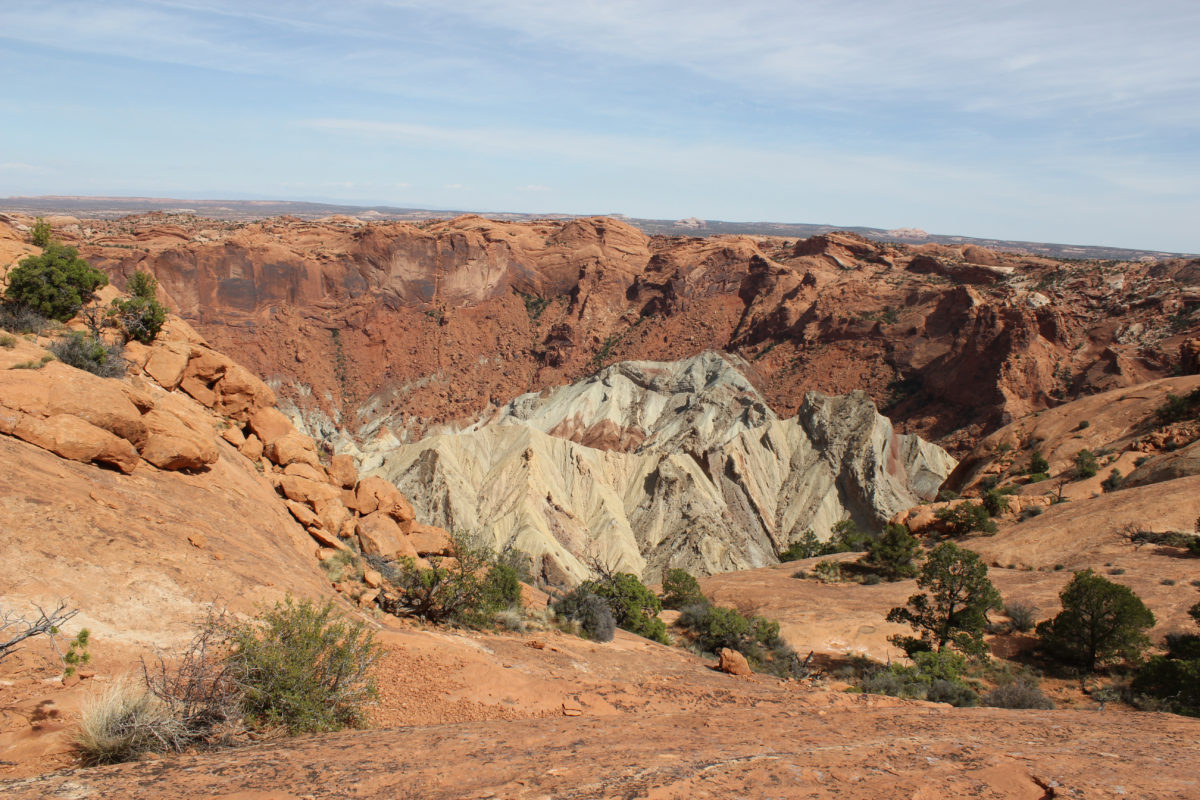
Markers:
(16, 628)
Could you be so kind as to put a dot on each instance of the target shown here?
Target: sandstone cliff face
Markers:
(394, 329)
(649, 466)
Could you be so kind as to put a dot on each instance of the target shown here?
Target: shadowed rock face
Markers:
(654, 465)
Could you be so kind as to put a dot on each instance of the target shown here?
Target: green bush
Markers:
(757, 638)
(1113, 481)
(935, 677)
(21, 319)
(55, 284)
(965, 517)
(953, 609)
(996, 500)
(41, 234)
(1174, 679)
(892, 555)
(1022, 615)
(680, 589)
(590, 612)
(140, 317)
(1100, 621)
(1086, 465)
(468, 588)
(1038, 477)
(807, 546)
(86, 352)
(1018, 694)
(1038, 463)
(634, 607)
(1177, 409)
(305, 667)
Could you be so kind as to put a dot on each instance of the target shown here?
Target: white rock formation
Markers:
(648, 466)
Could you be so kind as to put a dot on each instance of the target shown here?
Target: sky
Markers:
(1056, 120)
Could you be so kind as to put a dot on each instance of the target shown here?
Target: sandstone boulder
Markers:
(376, 494)
(70, 437)
(167, 363)
(172, 444)
(379, 535)
(240, 393)
(269, 424)
(428, 540)
(293, 448)
(303, 490)
(303, 514)
(333, 515)
(305, 470)
(733, 663)
(252, 448)
(58, 389)
(343, 472)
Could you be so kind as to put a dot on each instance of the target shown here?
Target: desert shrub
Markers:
(1086, 465)
(757, 638)
(1038, 463)
(946, 495)
(847, 538)
(1038, 477)
(634, 607)
(55, 284)
(936, 677)
(8, 341)
(1176, 408)
(22, 319)
(141, 316)
(468, 588)
(123, 722)
(966, 517)
(1175, 683)
(1018, 694)
(41, 234)
(1083, 425)
(304, 667)
(1022, 615)
(995, 500)
(1030, 513)
(77, 654)
(807, 546)
(590, 611)
(680, 589)
(828, 571)
(952, 692)
(1100, 621)
(953, 609)
(892, 555)
(1113, 481)
(86, 352)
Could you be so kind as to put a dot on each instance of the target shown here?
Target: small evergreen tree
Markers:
(55, 284)
(634, 607)
(953, 609)
(681, 589)
(1038, 463)
(892, 554)
(1100, 621)
(41, 234)
(1086, 465)
(965, 517)
(140, 317)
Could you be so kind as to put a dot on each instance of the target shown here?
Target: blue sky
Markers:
(1053, 121)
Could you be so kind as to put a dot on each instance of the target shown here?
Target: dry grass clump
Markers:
(123, 722)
